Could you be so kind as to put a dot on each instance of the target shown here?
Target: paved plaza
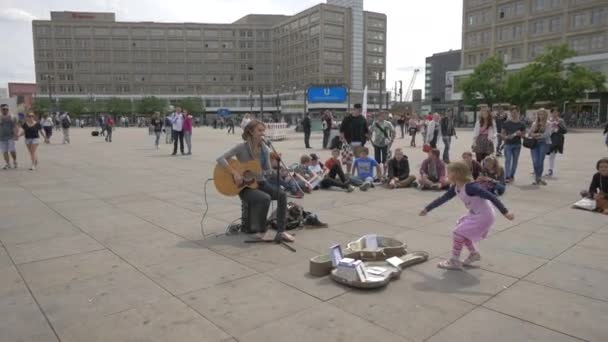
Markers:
(103, 243)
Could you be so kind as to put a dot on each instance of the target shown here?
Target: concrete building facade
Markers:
(520, 30)
(436, 68)
(258, 59)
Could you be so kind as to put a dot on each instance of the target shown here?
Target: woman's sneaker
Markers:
(6, 167)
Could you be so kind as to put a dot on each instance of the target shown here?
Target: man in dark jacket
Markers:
(399, 172)
(327, 123)
(306, 126)
(447, 132)
(354, 131)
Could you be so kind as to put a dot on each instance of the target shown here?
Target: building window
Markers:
(376, 23)
(120, 31)
(471, 59)
(193, 33)
(315, 17)
(598, 16)
(334, 30)
(82, 31)
(157, 32)
(538, 27)
(598, 42)
(315, 30)
(376, 35)
(375, 48)
(334, 43)
(555, 24)
(101, 31)
(511, 10)
(175, 32)
(579, 20)
(579, 44)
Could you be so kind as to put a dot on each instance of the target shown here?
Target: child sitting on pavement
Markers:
(285, 178)
(399, 172)
(363, 174)
(307, 178)
(467, 158)
(432, 172)
(492, 177)
(333, 168)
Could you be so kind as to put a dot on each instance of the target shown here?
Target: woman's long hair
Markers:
(541, 122)
(248, 137)
(483, 122)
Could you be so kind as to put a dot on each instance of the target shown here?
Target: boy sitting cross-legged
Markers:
(399, 172)
(363, 174)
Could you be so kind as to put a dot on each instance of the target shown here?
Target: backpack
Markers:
(65, 122)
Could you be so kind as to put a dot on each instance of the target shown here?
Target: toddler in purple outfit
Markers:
(475, 225)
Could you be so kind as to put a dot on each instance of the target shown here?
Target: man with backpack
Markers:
(66, 122)
(383, 134)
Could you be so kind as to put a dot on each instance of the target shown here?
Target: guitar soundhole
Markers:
(248, 178)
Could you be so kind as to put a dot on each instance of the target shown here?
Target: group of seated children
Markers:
(489, 174)
(312, 174)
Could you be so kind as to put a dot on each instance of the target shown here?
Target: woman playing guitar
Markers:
(253, 148)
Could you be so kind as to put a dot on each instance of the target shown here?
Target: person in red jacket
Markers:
(109, 127)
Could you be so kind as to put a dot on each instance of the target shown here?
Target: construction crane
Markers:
(408, 93)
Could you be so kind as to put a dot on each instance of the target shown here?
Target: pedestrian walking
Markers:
(9, 131)
(501, 118)
(187, 128)
(47, 125)
(447, 132)
(109, 128)
(433, 131)
(66, 123)
(230, 123)
(177, 126)
(484, 135)
(32, 129)
(168, 129)
(401, 123)
(157, 127)
(306, 126)
(558, 130)
(512, 131)
(413, 129)
(383, 135)
(327, 126)
(540, 133)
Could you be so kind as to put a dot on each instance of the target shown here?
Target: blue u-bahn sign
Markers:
(327, 94)
(223, 112)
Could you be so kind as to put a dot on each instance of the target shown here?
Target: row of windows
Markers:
(86, 67)
(592, 17)
(152, 44)
(81, 31)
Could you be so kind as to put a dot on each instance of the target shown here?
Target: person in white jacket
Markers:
(433, 131)
(484, 135)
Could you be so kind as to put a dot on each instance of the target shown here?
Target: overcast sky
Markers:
(416, 28)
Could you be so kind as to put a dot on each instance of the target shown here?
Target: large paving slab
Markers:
(104, 243)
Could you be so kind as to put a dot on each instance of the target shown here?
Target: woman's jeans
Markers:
(188, 139)
(157, 140)
(259, 199)
(538, 158)
(511, 159)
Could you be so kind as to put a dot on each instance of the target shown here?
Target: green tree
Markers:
(486, 85)
(118, 106)
(74, 106)
(41, 105)
(550, 79)
(520, 88)
(191, 104)
(151, 104)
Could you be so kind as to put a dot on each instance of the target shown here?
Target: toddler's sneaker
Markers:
(473, 257)
(450, 264)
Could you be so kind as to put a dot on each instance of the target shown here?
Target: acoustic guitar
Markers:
(224, 183)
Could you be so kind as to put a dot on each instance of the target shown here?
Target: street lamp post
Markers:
(49, 78)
